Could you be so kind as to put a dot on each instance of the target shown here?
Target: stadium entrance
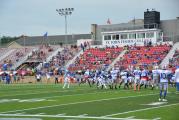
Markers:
(132, 37)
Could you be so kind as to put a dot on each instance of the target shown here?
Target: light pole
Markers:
(65, 12)
(23, 36)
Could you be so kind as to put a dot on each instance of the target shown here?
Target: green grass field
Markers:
(51, 102)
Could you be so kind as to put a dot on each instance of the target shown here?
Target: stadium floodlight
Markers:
(65, 12)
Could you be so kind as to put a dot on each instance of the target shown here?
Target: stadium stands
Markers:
(15, 56)
(143, 55)
(95, 58)
(60, 60)
(174, 62)
(41, 53)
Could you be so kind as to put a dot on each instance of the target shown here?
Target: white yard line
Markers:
(131, 117)
(132, 111)
(13, 100)
(79, 117)
(157, 118)
(55, 91)
(63, 114)
(79, 103)
(2, 101)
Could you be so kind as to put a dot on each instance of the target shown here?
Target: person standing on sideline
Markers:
(177, 78)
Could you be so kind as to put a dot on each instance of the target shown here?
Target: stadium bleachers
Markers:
(42, 53)
(15, 55)
(173, 62)
(60, 60)
(95, 58)
(143, 55)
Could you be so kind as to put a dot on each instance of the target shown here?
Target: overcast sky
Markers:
(35, 17)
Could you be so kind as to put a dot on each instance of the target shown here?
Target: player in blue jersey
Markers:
(144, 78)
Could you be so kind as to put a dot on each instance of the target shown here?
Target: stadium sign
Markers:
(132, 37)
(124, 42)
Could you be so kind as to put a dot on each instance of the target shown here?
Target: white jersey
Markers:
(87, 73)
(177, 75)
(155, 74)
(137, 74)
(48, 75)
(164, 75)
(124, 74)
(114, 74)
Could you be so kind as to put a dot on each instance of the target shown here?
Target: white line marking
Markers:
(20, 113)
(83, 115)
(61, 114)
(25, 100)
(55, 91)
(79, 102)
(73, 94)
(155, 103)
(131, 117)
(20, 119)
(80, 117)
(150, 108)
(156, 118)
(41, 113)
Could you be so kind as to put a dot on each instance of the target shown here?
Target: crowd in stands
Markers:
(15, 56)
(143, 55)
(92, 59)
(95, 58)
(85, 45)
(174, 61)
(41, 53)
(57, 63)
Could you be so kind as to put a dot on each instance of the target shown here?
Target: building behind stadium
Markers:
(164, 30)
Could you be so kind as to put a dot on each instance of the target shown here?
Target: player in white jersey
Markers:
(124, 79)
(114, 74)
(137, 77)
(172, 80)
(66, 79)
(163, 83)
(155, 77)
(130, 79)
(177, 78)
(87, 76)
(101, 81)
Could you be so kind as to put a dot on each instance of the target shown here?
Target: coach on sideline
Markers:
(177, 78)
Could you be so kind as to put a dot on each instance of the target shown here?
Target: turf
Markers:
(51, 102)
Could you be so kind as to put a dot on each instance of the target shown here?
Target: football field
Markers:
(51, 102)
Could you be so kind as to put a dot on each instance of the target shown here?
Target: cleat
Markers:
(159, 99)
(164, 100)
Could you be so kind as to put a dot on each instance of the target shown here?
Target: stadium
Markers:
(127, 71)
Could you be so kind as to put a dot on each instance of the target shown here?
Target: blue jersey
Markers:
(144, 73)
